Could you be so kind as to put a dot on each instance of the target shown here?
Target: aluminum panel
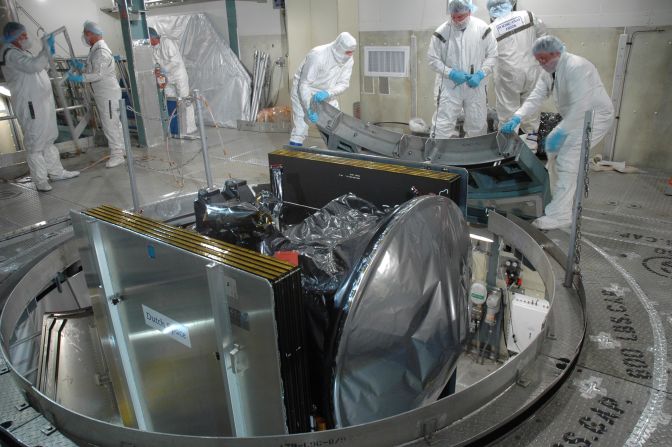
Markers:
(159, 311)
(71, 370)
(149, 95)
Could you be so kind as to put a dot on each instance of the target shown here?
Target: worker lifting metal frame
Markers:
(504, 173)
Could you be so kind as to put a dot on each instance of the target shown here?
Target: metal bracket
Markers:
(48, 429)
(523, 381)
(239, 362)
(102, 379)
(333, 123)
(22, 406)
(428, 429)
(115, 299)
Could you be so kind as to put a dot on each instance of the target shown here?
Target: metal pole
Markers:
(413, 68)
(129, 155)
(574, 252)
(128, 38)
(493, 262)
(204, 139)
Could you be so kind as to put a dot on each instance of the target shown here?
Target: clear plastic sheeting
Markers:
(213, 68)
(404, 313)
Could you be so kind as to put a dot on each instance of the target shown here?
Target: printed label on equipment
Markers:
(510, 25)
(240, 319)
(166, 325)
(230, 288)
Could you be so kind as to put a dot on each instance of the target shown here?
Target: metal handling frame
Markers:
(504, 173)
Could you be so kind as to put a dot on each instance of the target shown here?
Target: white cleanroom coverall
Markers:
(101, 72)
(470, 50)
(325, 67)
(516, 70)
(33, 102)
(576, 88)
(167, 55)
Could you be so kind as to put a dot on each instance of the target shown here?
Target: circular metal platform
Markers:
(610, 391)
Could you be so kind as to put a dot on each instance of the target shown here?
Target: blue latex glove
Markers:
(117, 58)
(74, 77)
(51, 41)
(510, 125)
(76, 63)
(458, 76)
(555, 140)
(313, 117)
(320, 96)
(475, 79)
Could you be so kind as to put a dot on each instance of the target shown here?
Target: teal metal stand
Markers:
(133, 27)
(232, 21)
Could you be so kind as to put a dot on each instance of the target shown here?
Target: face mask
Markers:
(500, 10)
(550, 66)
(341, 56)
(27, 44)
(85, 42)
(461, 26)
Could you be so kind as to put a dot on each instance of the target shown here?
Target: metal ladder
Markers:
(58, 67)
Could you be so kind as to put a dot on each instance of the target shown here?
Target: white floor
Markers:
(161, 172)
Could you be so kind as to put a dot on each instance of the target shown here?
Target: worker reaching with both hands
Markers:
(33, 102)
(575, 85)
(322, 76)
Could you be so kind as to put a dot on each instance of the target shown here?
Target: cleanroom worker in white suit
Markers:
(33, 101)
(575, 85)
(322, 76)
(167, 55)
(101, 72)
(516, 71)
(462, 54)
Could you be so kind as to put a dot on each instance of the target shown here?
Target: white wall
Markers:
(258, 19)
(400, 15)
(254, 19)
(316, 22)
(52, 14)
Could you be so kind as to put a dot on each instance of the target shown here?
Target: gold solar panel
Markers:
(373, 165)
(241, 258)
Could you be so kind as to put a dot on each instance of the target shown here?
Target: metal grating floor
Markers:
(161, 172)
(619, 392)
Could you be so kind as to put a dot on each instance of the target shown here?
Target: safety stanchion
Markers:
(129, 155)
(204, 139)
(574, 252)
